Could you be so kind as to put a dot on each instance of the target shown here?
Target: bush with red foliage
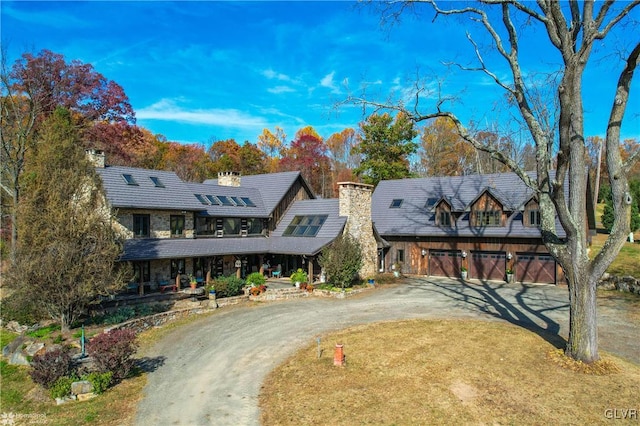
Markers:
(50, 366)
(113, 352)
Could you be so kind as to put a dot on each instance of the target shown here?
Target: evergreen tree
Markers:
(385, 148)
(67, 250)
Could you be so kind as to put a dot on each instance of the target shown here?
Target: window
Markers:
(534, 217)
(400, 256)
(201, 198)
(177, 225)
(431, 201)
(238, 201)
(247, 202)
(396, 203)
(177, 267)
(156, 181)
(231, 226)
(488, 218)
(212, 200)
(129, 179)
(225, 200)
(254, 226)
(140, 225)
(444, 218)
(143, 267)
(305, 226)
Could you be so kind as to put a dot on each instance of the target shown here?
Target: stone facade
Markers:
(96, 157)
(159, 223)
(229, 178)
(355, 204)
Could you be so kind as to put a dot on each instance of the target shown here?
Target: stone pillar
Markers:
(228, 178)
(355, 204)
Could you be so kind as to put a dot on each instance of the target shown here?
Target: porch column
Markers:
(310, 271)
(140, 279)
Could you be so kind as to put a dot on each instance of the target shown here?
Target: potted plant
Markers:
(509, 275)
(463, 273)
(255, 279)
(299, 276)
(192, 281)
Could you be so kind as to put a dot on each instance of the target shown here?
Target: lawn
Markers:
(444, 372)
(30, 404)
(626, 263)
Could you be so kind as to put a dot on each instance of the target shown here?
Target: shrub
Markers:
(113, 352)
(100, 381)
(256, 278)
(342, 261)
(62, 387)
(228, 286)
(47, 368)
(299, 276)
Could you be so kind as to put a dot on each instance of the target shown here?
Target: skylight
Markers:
(129, 179)
(431, 201)
(225, 200)
(238, 201)
(305, 226)
(202, 199)
(396, 203)
(212, 200)
(156, 181)
(247, 201)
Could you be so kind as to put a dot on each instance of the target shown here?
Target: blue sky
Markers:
(197, 71)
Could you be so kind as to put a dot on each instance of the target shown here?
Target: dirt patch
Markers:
(464, 392)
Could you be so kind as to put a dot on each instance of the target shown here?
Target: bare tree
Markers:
(573, 30)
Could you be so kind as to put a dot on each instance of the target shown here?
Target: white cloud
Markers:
(327, 81)
(168, 110)
(273, 75)
(280, 89)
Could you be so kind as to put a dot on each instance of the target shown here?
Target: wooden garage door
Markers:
(445, 263)
(535, 268)
(486, 265)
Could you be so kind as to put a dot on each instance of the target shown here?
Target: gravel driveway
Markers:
(211, 370)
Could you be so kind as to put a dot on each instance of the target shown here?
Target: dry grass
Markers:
(626, 263)
(443, 372)
(33, 405)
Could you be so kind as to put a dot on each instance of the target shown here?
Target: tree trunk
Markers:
(583, 328)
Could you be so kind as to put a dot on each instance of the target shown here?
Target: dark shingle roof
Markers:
(146, 195)
(230, 191)
(415, 218)
(272, 186)
(166, 248)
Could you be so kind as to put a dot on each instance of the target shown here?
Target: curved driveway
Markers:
(210, 371)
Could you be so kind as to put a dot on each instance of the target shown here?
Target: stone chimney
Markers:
(355, 204)
(229, 178)
(96, 157)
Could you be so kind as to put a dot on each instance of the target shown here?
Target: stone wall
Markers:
(355, 204)
(159, 223)
(626, 284)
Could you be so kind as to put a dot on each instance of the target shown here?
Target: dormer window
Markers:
(444, 218)
(488, 218)
(534, 217)
(396, 203)
(531, 215)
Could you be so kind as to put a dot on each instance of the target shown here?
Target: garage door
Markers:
(445, 263)
(535, 268)
(487, 265)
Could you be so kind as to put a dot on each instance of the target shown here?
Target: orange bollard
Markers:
(338, 356)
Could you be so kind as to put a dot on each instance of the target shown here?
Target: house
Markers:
(488, 224)
(230, 225)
